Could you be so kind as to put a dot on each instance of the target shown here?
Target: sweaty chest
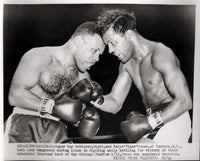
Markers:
(149, 75)
(56, 79)
(144, 74)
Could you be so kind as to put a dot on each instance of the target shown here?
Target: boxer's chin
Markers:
(87, 67)
(82, 69)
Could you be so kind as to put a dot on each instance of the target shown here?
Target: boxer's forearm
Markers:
(24, 98)
(176, 108)
(110, 105)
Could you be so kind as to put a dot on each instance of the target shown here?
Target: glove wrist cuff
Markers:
(46, 106)
(155, 120)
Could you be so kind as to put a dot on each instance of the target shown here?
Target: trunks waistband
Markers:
(18, 110)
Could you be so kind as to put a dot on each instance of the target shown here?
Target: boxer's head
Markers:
(117, 26)
(89, 45)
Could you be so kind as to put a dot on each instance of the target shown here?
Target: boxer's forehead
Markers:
(94, 42)
(111, 35)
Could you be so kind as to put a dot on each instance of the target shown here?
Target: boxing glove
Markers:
(67, 108)
(89, 123)
(139, 125)
(82, 90)
(131, 114)
(97, 93)
(87, 90)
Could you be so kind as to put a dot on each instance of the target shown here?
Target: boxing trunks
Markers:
(177, 130)
(25, 126)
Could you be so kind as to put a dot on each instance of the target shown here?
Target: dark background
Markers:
(29, 26)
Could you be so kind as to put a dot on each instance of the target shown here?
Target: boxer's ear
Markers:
(78, 40)
(129, 34)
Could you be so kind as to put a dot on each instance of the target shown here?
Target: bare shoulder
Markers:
(37, 56)
(124, 67)
(163, 52)
(163, 56)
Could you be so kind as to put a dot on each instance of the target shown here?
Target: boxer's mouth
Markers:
(89, 64)
(120, 57)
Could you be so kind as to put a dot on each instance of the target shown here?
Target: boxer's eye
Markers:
(94, 51)
(112, 43)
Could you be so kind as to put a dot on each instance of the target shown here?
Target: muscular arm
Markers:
(167, 64)
(26, 76)
(115, 99)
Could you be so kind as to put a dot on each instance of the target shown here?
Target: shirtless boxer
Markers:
(41, 84)
(155, 70)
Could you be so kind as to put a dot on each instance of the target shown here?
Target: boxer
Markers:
(155, 70)
(40, 88)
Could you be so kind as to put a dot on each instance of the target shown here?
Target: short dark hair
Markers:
(119, 19)
(85, 28)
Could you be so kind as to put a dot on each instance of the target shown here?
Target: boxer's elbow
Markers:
(111, 104)
(116, 107)
(186, 104)
(13, 97)
(115, 111)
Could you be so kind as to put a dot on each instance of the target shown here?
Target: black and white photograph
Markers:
(105, 81)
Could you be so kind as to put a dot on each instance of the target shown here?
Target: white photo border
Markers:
(196, 91)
